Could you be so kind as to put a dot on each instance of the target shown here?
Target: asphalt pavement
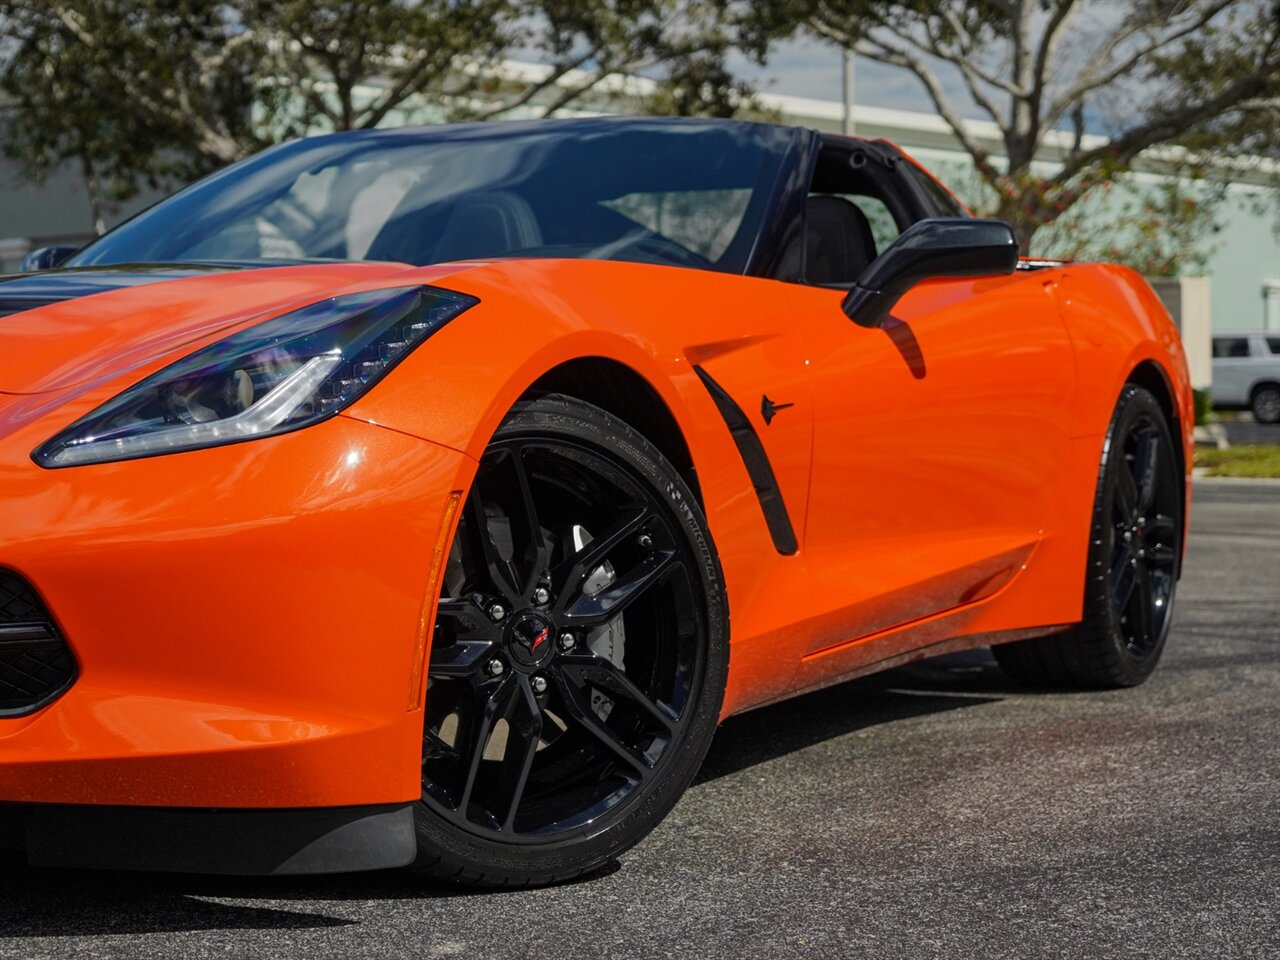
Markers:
(1250, 431)
(935, 811)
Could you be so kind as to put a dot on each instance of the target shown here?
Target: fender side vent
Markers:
(757, 463)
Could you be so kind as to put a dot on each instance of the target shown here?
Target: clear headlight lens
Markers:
(288, 372)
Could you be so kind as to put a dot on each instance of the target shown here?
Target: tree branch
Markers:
(1160, 129)
(1092, 81)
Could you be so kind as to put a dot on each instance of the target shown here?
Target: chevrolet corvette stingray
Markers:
(428, 496)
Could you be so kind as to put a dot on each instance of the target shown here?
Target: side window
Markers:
(1273, 344)
(1230, 347)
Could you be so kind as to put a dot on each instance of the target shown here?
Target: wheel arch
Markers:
(622, 392)
(1259, 384)
(1152, 377)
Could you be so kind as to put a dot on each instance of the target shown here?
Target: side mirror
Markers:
(45, 258)
(944, 247)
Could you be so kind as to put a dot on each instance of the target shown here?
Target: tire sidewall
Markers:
(1134, 403)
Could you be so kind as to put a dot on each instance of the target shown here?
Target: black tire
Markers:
(629, 706)
(1135, 550)
(1265, 403)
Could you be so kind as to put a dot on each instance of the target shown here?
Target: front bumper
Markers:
(241, 842)
(248, 621)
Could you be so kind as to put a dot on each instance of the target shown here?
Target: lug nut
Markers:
(539, 684)
(645, 540)
(566, 641)
(494, 668)
(497, 612)
(541, 595)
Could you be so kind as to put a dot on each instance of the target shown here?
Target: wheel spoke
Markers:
(466, 619)
(610, 602)
(524, 730)
(1145, 471)
(434, 748)
(480, 542)
(570, 573)
(578, 706)
(1123, 579)
(536, 553)
(1126, 493)
(494, 709)
(609, 677)
(1142, 610)
(459, 659)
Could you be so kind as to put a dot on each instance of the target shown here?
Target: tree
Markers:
(130, 90)
(1141, 73)
(139, 91)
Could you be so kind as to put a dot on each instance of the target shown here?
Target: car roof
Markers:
(1256, 331)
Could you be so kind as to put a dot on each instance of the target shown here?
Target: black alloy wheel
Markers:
(578, 657)
(1135, 555)
(1144, 534)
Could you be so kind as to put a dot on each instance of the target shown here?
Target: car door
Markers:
(937, 436)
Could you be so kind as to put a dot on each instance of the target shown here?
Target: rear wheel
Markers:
(1135, 549)
(579, 655)
(1265, 403)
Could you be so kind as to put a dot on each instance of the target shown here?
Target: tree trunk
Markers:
(94, 194)
(1024, 226)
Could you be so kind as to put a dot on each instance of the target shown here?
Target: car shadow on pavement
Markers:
(45, 902)
(949, 682)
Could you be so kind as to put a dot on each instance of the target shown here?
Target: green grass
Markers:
(1243, 460)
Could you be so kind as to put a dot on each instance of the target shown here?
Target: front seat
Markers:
(839, 241)
(490, 224)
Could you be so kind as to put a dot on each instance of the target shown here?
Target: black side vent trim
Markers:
(757, 463)
(36, 665)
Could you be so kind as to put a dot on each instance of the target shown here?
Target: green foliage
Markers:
(1202, 400)
(1254, 460)
(131, 90)
(151, 91)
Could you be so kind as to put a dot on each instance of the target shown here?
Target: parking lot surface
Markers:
(931, 811)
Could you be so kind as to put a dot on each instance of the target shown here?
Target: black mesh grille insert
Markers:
(36, 664)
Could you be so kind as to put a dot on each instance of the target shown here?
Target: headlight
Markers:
(288, 372)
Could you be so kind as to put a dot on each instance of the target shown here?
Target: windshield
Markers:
(657, 191)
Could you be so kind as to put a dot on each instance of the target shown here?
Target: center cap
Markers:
(531, 640)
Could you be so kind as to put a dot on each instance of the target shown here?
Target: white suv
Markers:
(1246, 373)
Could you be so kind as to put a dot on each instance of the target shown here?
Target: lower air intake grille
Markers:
(36, 664)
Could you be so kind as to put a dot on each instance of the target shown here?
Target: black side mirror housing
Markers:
(45, 258)
(942, 247)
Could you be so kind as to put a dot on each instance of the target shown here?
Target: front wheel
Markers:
(1135, 548)
(579, 655)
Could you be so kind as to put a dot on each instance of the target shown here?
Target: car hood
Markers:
(65, 328)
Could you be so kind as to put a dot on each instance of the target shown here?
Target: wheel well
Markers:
(1253, 391)
(620, 391)
(1151, 377)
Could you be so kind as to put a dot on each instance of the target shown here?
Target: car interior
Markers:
(855, 209)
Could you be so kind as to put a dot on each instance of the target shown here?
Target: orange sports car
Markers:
(428, 496)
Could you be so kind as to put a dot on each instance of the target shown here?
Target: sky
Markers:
(807, 67)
